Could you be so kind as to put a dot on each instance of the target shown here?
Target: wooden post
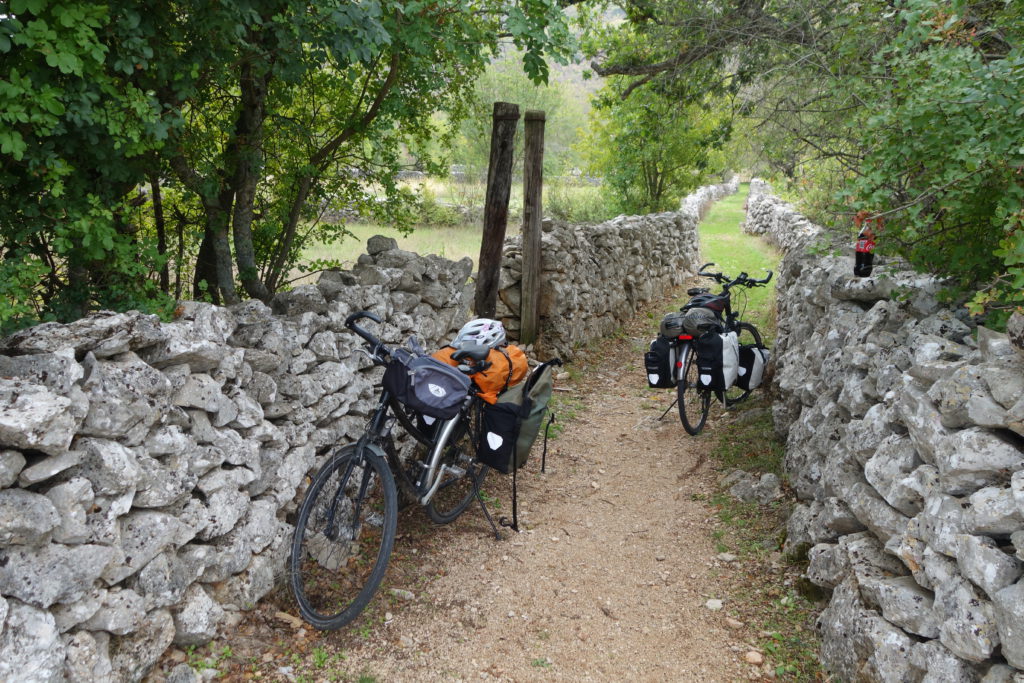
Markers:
(533, 211)
(499, 184)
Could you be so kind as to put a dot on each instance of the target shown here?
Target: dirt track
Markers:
(609, 581)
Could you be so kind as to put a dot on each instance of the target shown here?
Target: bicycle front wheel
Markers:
(694, 401)
(747, 334)
(461, 483)
(343, 538)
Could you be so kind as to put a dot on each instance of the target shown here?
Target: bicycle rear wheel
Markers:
(343, 538)
(746, 334)
(458, 488)
(694, 402)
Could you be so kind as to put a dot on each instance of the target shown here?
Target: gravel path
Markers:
(609, 580)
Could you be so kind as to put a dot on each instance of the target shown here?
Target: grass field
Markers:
(733, 251)
(450, 242)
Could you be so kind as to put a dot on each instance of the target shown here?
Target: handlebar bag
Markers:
(426, 385)
(718, 360)
(753, 359)
(659, 362)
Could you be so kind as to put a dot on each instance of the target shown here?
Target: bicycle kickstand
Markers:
(497, 534)
(668, 409)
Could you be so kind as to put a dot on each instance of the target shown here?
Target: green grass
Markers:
(746, 440)
(733, 252)
(457, 241)
(451, 242)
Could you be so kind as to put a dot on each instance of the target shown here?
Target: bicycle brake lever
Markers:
(369, 355)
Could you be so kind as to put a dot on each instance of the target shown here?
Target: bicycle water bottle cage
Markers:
(477, 352)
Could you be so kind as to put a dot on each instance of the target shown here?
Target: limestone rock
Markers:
(71, 499)
(1015, 332)
(981, 561)
(51, 573)
(133, 655)
(120, 613)
(969, 629)
(110, 467)
(88, 657)
(1009, 615)
(11, 465)
(26, 518)
(30, 646)
(56, 371)
(939, 665)
(974, 458)
(196, 618)
(126, 397)
(104, 334)
(904, 603)
(993, 511)
(32, 417)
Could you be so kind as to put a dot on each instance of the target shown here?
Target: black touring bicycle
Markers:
(705, 351)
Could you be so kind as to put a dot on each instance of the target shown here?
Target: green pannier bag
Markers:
(516, 419)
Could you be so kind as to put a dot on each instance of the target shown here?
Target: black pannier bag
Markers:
(717, 360)
(659, 362)
(510, 426)
(426, 385)
(753, 359)
(499, 430)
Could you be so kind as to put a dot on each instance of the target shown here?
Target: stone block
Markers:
(1009, 616)
(981, 561)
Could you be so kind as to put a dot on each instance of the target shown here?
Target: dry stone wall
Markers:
(596, 276)
(147, 469)
(904, 429)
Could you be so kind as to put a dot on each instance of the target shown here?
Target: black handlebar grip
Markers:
(360, 314)
(350, 323)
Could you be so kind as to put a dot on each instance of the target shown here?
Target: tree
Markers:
(652, 151)
(76, 134)
(906, 110)
(254, 113)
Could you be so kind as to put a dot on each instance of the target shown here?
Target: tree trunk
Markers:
(161, 232)
(248, 161)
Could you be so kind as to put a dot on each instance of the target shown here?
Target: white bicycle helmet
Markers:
(482, 331)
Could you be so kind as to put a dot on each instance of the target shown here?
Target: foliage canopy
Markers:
(207, 137)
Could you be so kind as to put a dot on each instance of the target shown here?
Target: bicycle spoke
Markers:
(343, 539)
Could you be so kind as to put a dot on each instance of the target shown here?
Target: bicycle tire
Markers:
(335, 569)
(455, 494)
(406, 472)
(735, 394)
(694, 402)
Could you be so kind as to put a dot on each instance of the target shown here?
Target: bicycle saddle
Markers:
(477, 352)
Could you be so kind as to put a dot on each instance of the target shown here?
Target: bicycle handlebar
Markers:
(379, 352)
(727, 282)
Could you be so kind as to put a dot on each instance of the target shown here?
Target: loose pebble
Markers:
(753, 657)
(713, 605)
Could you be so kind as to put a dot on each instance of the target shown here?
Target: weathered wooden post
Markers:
(499, 184)
(533, 211)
